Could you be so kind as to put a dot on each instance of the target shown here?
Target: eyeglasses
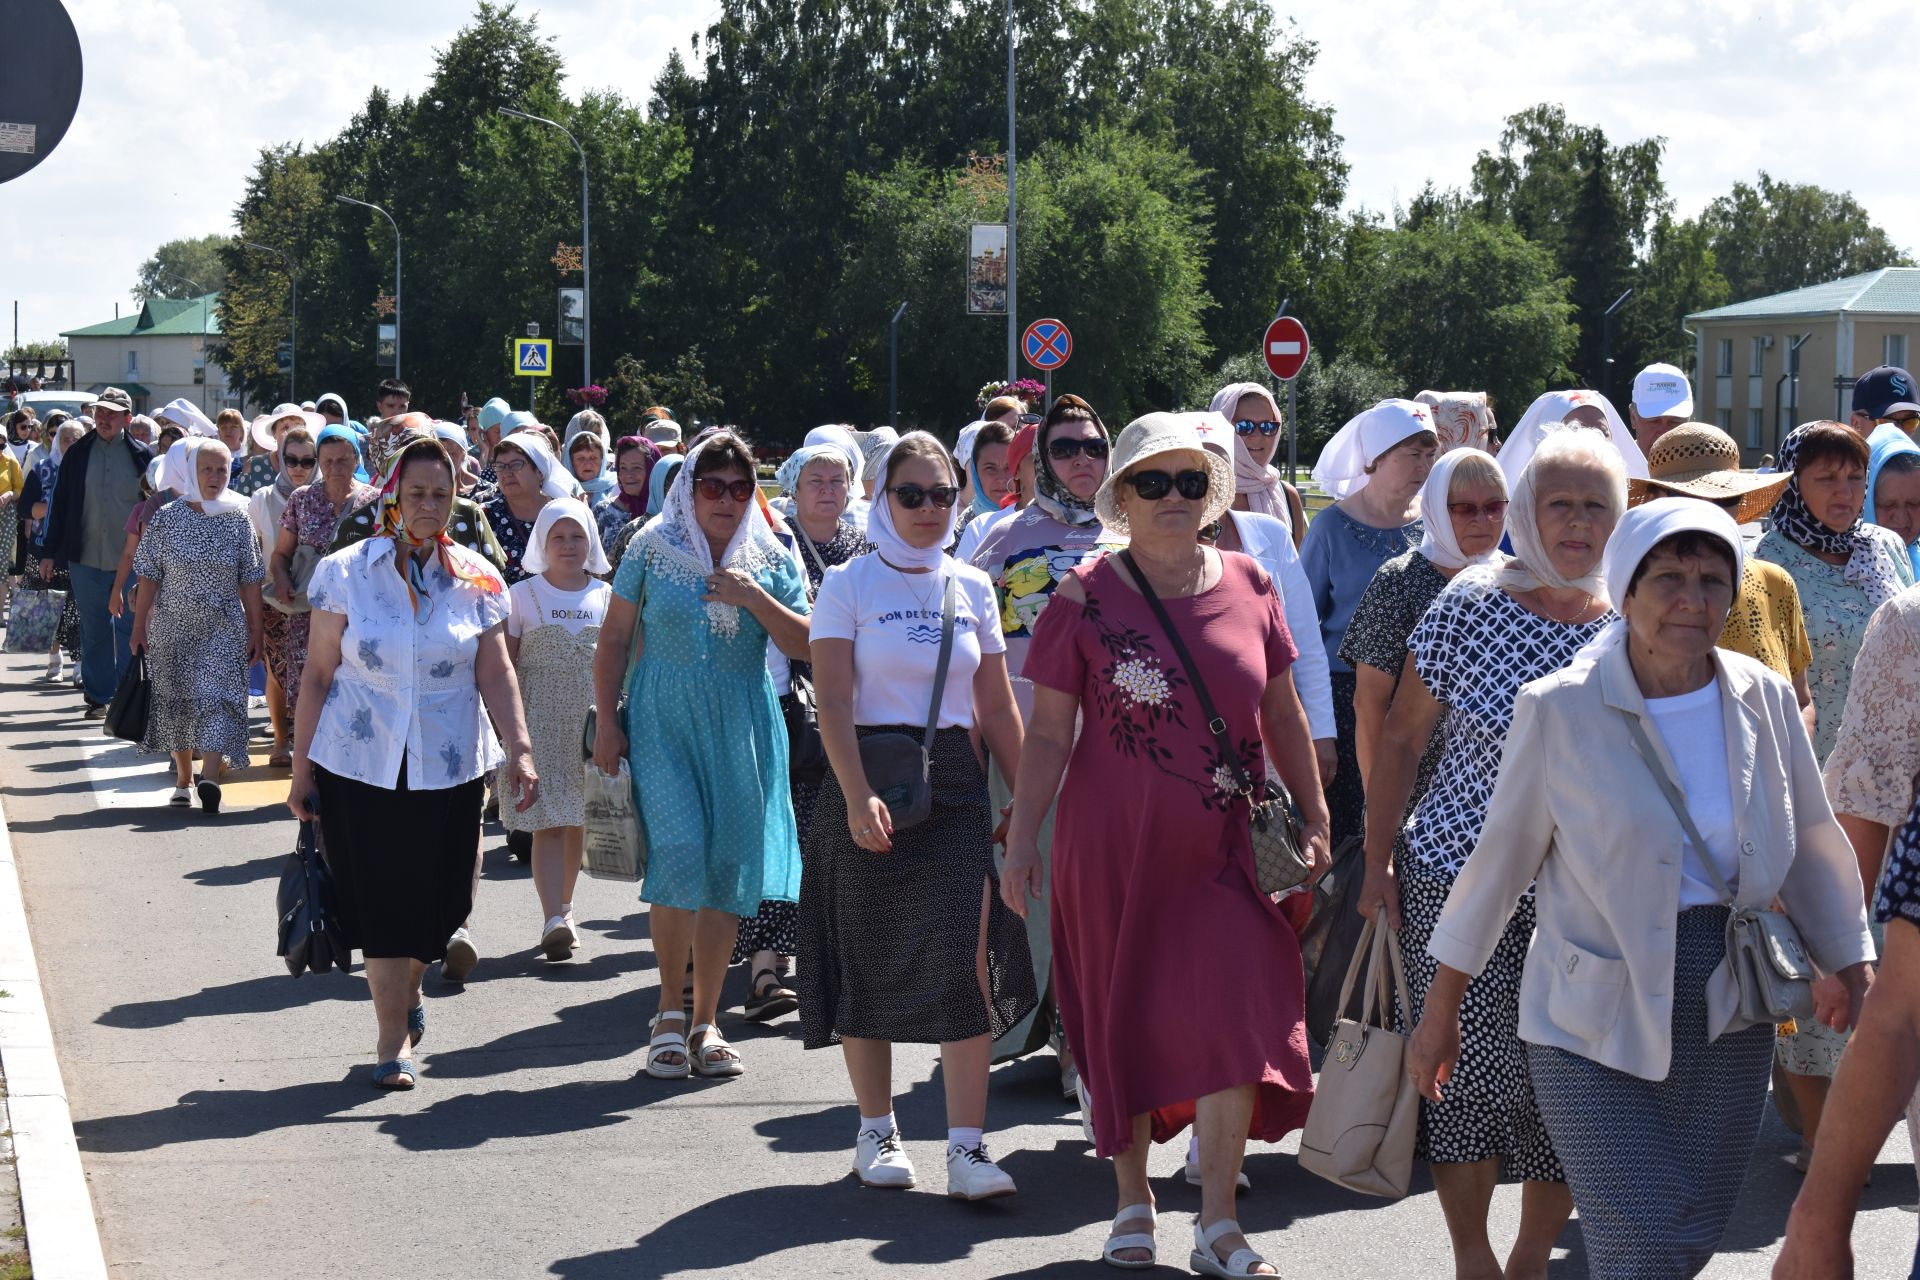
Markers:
(1265, 426)
(1063, 450)
(1029, 419)
(914, 496)
(1495, 510)
(1155, 485)
(1904, 421)
(510, 466)
(713, 488)
(303, 464)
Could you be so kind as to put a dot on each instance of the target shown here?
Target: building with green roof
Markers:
(156, 354)
(1750, 382)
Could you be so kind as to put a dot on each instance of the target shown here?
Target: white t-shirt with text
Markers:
(538, 603)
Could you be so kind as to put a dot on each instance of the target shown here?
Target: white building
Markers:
(155, 355)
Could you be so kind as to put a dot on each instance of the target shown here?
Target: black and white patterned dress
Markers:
(197, 629)
(1383, 622)
(1474, 647)
(510, 531)
(772, 927)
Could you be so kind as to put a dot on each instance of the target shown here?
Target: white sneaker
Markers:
(53, 665)
(556, 940)
(879, 1161)
(462, 955)
(972, 1175)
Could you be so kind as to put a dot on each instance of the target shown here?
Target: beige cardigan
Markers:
(1577, 813)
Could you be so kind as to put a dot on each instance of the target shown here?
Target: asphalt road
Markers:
(229, 1130)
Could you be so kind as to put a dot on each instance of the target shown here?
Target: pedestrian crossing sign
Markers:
(533, 357)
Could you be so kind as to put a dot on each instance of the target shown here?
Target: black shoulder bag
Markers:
(1279, 864)
(898, 768)
(806, 751)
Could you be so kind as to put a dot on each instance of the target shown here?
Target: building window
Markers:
(1755, 418)
(1725, 365)
(1723, 418)
(1756, 356)
(1893, 349)
(133, 364)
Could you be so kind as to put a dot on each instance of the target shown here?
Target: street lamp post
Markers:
(893, 368)
(586, 249)
(396, 273)
(1013, 219)
(293, 315)
(1606, 343)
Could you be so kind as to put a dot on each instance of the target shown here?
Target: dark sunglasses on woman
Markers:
(1029, 419)
(1155, 485)
(1063, 450)
(914, 496)
(713, 488)
(301, 464)
(1265, 426)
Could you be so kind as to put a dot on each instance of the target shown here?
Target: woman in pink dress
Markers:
(1178, 981)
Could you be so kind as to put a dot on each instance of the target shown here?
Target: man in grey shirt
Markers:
(97, 489)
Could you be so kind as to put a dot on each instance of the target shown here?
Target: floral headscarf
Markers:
(460, 563)
(1051, 493)
(1868, 567)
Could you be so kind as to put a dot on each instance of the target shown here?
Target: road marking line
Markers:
(125, 777)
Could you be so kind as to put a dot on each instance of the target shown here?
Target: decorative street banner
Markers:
(573, 313)
(383, 347)
(987, 269)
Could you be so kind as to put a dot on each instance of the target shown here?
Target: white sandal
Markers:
(705, 1059)
(665, 1043)
(1132, 1240)
(1207, 1263)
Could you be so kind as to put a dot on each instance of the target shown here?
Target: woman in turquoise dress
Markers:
(708, 584)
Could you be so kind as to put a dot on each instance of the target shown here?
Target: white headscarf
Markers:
(676, 547)
(1531, 568)
(963, 447)
(893, 548)
(1438, 544)
(1260, 484)
(554, 480)
(1342, 468)
(535, 558)
(1548, 413)
(874, 445)
(1642, 529)
(181, 473)
(186, 415)
(841, 438)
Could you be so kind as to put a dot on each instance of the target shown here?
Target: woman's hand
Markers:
(1837, 997)
(116, 603)
(609, 745)
(1380, 889)
(1433, 1051)
(282, 584)
(300, 789)
(256, 647)
(870, 824)
(1020, 877)
(1006, 822)
(137, 643)
(522, 782)
(1315, 839)
(1326, 754)
(46, 570)
(730, 586)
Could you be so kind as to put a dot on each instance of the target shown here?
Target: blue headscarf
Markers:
(661, 476)
(334, 431)
(1886, 441)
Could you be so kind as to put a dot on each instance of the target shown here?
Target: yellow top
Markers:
(11, 479)
(1765, 622)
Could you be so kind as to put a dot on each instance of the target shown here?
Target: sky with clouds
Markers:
(180, 96)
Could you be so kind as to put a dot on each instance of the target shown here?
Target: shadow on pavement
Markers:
(269, 993)
(212, 1115)
(239, 873)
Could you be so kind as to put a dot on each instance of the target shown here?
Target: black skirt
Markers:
(402, 862)
(887, 940)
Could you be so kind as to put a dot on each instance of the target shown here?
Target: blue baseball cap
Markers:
(1885, 390)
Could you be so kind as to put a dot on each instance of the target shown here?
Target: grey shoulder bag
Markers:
(1764, 949)
(898, 768)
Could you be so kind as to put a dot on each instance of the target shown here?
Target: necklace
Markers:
(1586, 600)
(1186, 584)
(926, 605)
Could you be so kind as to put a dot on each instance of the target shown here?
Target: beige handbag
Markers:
(1366, 1110)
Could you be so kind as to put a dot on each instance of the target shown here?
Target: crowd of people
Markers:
(955, 744)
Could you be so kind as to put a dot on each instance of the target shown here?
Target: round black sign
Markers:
(39, 83)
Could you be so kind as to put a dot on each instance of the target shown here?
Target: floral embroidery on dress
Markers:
(1142, 680)
(361, 727)
(441, 669)
(370, 655)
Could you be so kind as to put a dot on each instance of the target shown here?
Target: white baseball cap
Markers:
(1662, 391)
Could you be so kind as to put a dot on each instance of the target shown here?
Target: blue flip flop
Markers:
(397, 1074)
(416, 1024)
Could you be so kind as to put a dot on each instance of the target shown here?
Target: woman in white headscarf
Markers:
(197, 616)
(1490, 632)
(844, 439)
(1373, 468)
(708, 584)
(1257, 423)
(1588, 410)
(553, 624)
(1463, 506)
(530, 478)
(594, 474)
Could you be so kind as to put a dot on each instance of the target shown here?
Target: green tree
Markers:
(1776, 236)
(184, 269)
(1679, 275)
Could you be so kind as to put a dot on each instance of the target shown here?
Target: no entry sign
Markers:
(1285, 348)
(1047, 345)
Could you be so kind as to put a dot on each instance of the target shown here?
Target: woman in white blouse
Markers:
(903, 936)
(391, 741)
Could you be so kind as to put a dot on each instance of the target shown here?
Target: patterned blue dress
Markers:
(705, 738)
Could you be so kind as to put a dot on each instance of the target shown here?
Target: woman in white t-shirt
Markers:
(902, 935)
(552, 626)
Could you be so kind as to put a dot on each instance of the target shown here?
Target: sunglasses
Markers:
(713, 488)
(1265, 426)
(1029, 419)
(913, 496)
(1155, 485)
(1064, 450)
(302, 463)
(1494, 510)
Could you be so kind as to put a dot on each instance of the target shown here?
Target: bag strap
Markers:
(1378, 948)
(1215, 723)
(940, 671)
(1678, 802)
(807, 544)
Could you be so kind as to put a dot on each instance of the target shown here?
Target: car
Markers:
(44, 403)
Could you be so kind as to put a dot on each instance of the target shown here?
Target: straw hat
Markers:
(1695, 460)
(1150, 437)
(263, 425)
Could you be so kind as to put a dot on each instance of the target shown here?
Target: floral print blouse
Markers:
(1875, 763)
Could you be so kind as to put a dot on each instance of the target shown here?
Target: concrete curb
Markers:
(63, 1240)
